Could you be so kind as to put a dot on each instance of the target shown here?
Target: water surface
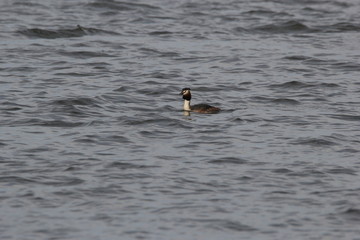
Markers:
(95, 145)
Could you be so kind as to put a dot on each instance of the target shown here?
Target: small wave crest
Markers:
(315, 142)
(295, 26)
(121, 6)
(352, 214)
(79, 31)
(301, 85)
(284, 27)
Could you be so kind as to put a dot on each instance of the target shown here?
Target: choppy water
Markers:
(94, 144)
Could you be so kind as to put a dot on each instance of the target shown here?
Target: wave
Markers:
(84, 54)
(121, 6)
(300, 85)
(352, 214)
(76, 101)
(297, 26)
(46, 123)
(286, 101)
(345, 117)
(79, 31)
(339, 27)
(229, 160)
(315, 142)
(284, 27)
(77, 107)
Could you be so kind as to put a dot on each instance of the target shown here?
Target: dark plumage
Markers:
(200, 108)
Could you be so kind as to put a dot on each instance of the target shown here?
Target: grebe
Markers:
(200, 108)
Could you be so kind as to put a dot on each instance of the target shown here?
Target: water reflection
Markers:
(186, 113)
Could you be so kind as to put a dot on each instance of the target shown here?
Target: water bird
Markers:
(199, 108)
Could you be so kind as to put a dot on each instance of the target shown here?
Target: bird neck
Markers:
(187, 105)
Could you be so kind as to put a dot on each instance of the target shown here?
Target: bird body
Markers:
(199, 108)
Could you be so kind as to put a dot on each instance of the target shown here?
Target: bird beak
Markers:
(181, 93)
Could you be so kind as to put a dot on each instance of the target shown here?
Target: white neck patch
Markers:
(187, 105)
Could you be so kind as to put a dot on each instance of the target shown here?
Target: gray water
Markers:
(95, 145)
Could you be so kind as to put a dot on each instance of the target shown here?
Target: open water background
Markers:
(94, 144)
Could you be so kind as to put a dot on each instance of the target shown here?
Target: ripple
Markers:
(346, 66)
(292, 85)
(283, 27)
(286, 101)
(340, 27)
(45, 123)
(79, 31)
(121, 5)
(82, 101)
(84, 54)
(103, 140)
(294, 26)
(224, 224)
(345, 117)
(229, 160)
(296, 85)
(341, 170)
(352, 214)
(157, 121)
(282, 170)
(62, 181)
(160, 33)
(77, 106)
(126, 165)
(16, 180)
(314, 142)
